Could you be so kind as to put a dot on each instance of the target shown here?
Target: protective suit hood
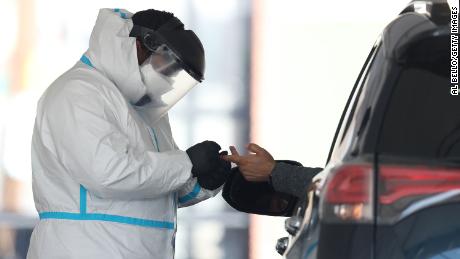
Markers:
(112, 52)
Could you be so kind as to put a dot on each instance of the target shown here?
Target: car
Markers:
(391, 184)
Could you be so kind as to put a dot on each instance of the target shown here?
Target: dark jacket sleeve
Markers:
(292, 179)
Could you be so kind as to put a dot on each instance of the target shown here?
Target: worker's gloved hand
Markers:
(211, 171)
(204, 157)
(215, 178)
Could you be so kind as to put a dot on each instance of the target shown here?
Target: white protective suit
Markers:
(106, 184)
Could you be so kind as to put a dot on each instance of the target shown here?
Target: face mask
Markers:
(156, 85)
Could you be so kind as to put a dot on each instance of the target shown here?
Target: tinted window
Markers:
(423, 118)
(346, 123)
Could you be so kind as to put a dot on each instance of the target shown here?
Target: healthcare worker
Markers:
(107, 175)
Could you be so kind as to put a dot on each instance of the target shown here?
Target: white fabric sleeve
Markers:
(193, 193)
(98, 155)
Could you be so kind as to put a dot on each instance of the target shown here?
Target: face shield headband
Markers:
(153, 39)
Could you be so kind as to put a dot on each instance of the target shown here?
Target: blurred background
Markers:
(278, 73)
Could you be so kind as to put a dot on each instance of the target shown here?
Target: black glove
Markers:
(211, 171)
(215, 178)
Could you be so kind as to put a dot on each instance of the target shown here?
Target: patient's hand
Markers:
(255, 166)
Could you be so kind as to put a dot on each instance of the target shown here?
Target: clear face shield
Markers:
(166, 83)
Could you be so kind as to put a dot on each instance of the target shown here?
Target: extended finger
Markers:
(232, 158)
(234, 151)
(254, 148)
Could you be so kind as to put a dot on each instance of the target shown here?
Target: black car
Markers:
(391, 185)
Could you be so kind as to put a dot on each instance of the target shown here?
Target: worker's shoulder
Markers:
(80, 84)
(81, 79)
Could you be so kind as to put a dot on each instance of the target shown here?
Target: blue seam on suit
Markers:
(107, 217)
(191, 195)
(86, 60)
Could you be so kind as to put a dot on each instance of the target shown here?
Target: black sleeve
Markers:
(256, 197)
(292, 179)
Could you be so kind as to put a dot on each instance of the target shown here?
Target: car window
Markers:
(423, 118)
(350, 108)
